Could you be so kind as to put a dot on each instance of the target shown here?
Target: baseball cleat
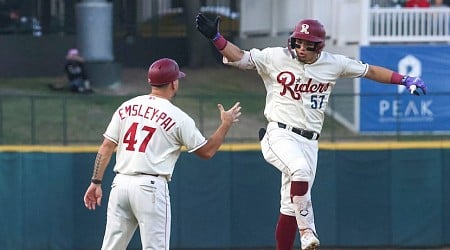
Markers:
(309, 240)
(312, 247)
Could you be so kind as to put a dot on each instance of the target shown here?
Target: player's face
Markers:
(306, 51)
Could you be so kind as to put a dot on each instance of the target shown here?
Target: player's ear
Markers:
(174, 85)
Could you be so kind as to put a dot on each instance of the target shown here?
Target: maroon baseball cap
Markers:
(164, 71)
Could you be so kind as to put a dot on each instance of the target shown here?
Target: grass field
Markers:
(32, 113)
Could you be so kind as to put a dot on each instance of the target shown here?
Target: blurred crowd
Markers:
(13, 22)
(410, 3)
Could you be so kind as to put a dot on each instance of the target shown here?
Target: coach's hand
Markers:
(206, 26)
(230, 116)
(93, 196)
(412, 83)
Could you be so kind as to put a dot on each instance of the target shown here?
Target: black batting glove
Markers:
(206, 26)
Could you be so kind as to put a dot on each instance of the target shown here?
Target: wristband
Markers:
(219, 41)
(96, 181)
(216, 36)
(396, 78)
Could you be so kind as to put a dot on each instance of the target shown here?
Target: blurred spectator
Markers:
(440, 3)
(383, 3)
(417, 4)
(12, 22)
(9, 17)
(76, 73)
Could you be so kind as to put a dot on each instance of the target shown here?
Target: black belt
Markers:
(311, 135)
(155, 175)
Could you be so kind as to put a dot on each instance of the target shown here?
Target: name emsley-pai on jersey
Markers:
(166, 122)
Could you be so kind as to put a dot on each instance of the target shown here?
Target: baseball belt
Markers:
(310, 135)
(166, 177)
(155, 175)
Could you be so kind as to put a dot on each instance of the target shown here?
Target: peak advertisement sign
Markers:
(390, 108)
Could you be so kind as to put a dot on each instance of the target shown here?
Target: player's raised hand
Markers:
(209, 28)
(93, 196)
(412, 83)
(231, 115)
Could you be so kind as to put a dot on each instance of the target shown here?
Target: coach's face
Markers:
(306, 51)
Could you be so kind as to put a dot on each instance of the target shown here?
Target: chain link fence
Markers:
(75, 120)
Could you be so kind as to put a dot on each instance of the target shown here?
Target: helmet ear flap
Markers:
(320, 46)
(292, 42)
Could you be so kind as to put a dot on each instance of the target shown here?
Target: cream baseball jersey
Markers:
(298, 93)
(150, 132)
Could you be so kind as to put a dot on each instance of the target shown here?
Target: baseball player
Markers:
(148, 132)
(298, 79)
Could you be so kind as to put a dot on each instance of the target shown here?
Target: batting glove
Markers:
(208, 27)
(412, 83)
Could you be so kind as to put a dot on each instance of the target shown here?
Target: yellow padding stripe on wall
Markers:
(385, 145)
(50, 149)
(248, 146)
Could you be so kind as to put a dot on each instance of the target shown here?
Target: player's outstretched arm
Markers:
(210, 29)
(228, 118)
(384, 75)
(93, 195)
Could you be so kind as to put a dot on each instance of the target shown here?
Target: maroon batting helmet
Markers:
(164, 71)
(309, 30)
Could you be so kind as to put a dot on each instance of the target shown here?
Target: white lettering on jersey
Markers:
(290, 85)
(147, 112)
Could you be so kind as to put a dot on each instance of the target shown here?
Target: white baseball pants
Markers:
(138, 200)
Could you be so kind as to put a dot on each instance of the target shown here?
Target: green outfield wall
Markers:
(394, 194)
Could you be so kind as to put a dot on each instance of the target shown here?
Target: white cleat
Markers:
(309, 240)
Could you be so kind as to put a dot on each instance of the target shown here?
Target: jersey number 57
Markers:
(317, 101)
